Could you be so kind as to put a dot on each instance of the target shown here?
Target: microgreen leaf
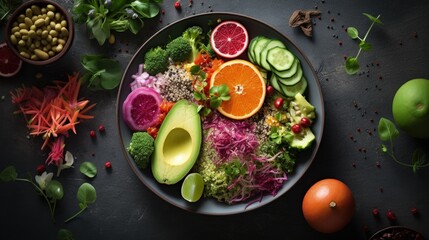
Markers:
(352, 65)
(418, 159)
(8, 174)
(64, 234)
(88, 169)
(387, 130)
(352, 32)
(103, 72)
(372, 18)
(215, 102)
(54, 190)
(365, 46)
(86, 194)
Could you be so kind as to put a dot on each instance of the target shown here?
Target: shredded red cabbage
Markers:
(231, 138)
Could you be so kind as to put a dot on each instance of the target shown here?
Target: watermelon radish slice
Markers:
(140, 109)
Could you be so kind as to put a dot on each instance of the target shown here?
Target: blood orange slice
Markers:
(246, 88)
(10, 64)
(229, 39)
(140, 109)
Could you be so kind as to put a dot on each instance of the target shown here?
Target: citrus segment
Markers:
(10, 64)
(192, 187)
(229, 39)
(246, 88)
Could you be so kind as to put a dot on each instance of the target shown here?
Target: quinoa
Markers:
(177, 84)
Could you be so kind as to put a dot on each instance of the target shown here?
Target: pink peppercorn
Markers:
(101, 128)
(92, 134)
(391, 216)
(375, 212)
(108, 165)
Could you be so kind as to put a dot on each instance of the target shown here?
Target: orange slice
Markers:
(246, 88)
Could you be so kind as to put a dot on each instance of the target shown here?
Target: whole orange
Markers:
(410, 107)
(328, 206)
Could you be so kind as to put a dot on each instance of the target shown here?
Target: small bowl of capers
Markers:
(40, 31)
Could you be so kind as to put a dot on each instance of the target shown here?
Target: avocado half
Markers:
(177, 144)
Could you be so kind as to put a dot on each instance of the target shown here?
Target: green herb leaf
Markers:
(418, 159)
(103, 72)
(352, 65)
(387, 130)
(195, 69)
(8, 174)
(88, 169)
(86, 194)
(372, 18)
(54, 190)
(215, 102)
(352, 32)
(64, 234)
(365, 46)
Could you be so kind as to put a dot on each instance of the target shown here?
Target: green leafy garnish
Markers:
(50, 190)
(102, 72)
(103, 16)
(88, 169)
(388, 132)
(7, 7)
(86, 195)
(216, 94)
(352, 63)
(64, 234)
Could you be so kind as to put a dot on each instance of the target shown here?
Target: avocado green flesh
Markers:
(178, 143)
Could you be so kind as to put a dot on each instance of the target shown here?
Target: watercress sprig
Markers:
(387, 131)
(216, 94)
(352, 63)
(50, 190)
(103, 16)
(86, 195)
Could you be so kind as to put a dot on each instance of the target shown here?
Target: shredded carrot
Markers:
(52, 112)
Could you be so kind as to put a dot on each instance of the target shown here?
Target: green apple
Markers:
(410, 107)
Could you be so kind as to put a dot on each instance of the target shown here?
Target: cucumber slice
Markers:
(303, 139)
(271, 44)
(280, 58)
(292, 90)
(292, 80)
(290, 72)
(250, 49)
(258, 47)
(274, 82)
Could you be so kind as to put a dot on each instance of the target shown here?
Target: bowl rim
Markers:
(19, 10)
(380, 231)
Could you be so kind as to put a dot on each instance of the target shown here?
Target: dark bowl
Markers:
(56, 53)
(397, 232)
(210, 206)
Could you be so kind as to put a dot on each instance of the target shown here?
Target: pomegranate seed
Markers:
(391, 216)
(305, 122)
(375, 212)
(108, 165)
(270, 90)
(278, 103)
(92, 134)
(414, 211)
(40, 169)
(101, 128)
(177, 5)
(296, 128)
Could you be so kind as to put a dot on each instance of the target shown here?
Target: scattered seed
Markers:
(92, 134)
(101, 128)
(391, 216)
(108, 165)
(375, 212)
(414, 211)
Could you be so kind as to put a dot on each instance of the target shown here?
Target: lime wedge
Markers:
(192, 187)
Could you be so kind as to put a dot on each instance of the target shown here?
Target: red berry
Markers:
(391, 216)
(40, 169)
(278, 103)
(101, 128)
(177, 5)
(296, 128)
(108, 165)
(375, 212)
(305, 122)
(92, 134)
(270, 90)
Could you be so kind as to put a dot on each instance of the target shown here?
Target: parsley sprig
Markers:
(352, 63)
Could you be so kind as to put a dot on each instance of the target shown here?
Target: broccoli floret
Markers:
(179, 49)
(156, 60)
(194, 35)
(141, 148)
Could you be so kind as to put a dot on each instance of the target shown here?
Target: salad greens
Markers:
(86, 195)
(101, 17)
(352, 63)
(388, 132)
(102, 72)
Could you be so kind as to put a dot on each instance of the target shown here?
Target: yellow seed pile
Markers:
(40, 32)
